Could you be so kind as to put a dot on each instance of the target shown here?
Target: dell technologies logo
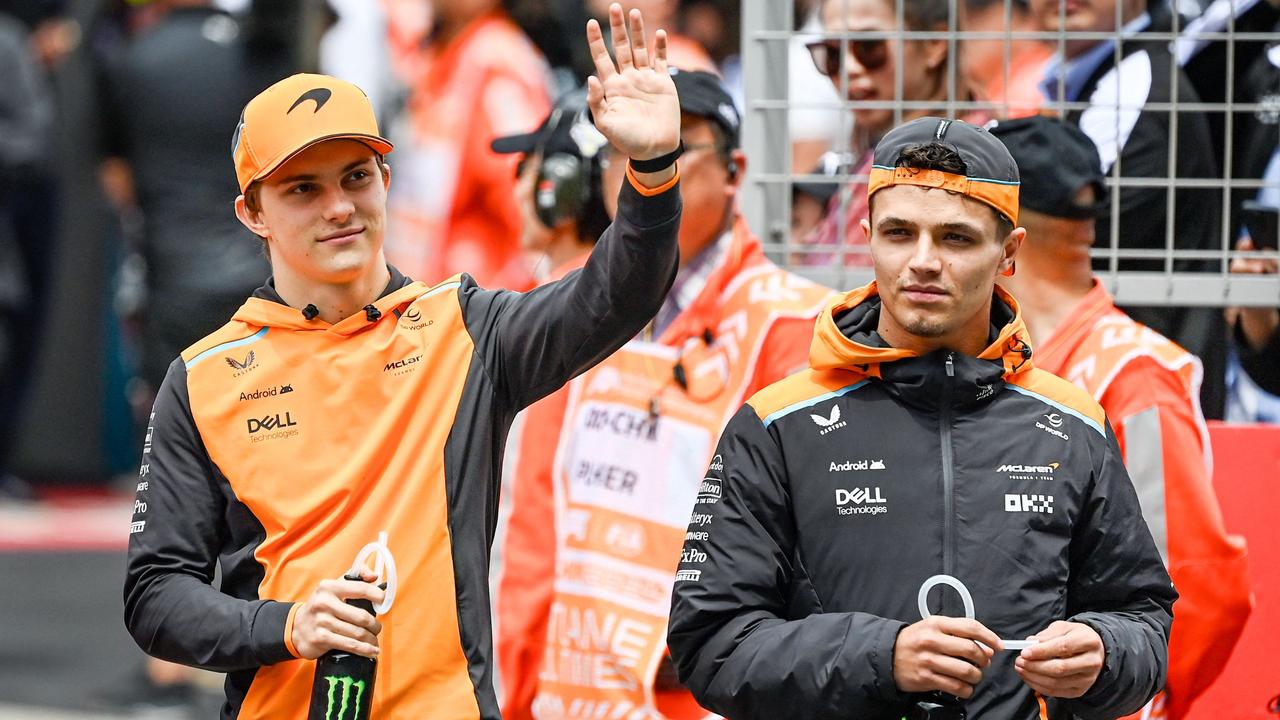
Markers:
(272, 427)
(860, 501)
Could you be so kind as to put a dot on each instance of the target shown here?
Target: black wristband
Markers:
(659, 163)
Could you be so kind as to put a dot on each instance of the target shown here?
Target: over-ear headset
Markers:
(567, 184)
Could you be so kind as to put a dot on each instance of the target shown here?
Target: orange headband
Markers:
(1003, 196)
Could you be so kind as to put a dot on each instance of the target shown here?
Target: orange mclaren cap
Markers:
(295, 114)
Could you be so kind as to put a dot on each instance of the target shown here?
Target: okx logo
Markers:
(345, 695)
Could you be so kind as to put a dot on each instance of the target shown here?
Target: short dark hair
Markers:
(944, 158)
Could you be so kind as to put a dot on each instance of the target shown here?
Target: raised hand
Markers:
(633, 103)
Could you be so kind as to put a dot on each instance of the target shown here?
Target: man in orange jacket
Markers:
(345, 403)
(599, 511)
(1150, 389)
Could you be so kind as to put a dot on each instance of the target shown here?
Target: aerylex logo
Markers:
(860, 501)
(828, 423)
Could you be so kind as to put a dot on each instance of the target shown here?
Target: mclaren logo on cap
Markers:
(319, 95)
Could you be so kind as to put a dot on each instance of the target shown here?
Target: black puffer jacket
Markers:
(838, 491)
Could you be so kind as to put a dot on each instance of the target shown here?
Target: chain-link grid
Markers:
(1168, 273)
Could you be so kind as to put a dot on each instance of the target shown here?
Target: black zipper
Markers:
(948, 480)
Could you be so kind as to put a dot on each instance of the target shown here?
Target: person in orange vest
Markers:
(599, 512)
(1149, 388)
(475, 77)
(346, 410)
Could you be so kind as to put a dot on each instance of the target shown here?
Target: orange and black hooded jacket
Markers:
(846, 486)
(279, 446)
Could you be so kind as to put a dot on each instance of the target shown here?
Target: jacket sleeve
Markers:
(1160, 432)
(532, 343)
(526, 582)
(747, 632)
(170, 606)
(1120, 588)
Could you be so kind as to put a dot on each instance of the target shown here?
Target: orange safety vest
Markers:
(623, 478)
(452, 205)
(1150, 389)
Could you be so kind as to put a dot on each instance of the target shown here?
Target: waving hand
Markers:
(634, 102)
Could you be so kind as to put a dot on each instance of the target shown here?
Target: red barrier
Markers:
(1246, 476)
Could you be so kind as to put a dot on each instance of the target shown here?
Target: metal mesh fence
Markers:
(1186, 176)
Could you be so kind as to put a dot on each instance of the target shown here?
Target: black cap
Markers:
(1057, 159)
(703, 94)
(990, 174)
(566, 129)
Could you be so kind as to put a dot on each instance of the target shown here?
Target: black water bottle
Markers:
(343, 686)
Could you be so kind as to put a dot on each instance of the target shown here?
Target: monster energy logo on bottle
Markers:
(345, 702)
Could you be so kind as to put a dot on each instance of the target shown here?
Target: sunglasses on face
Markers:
(827, 54)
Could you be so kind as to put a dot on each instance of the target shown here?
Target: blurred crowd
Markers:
(118, 246)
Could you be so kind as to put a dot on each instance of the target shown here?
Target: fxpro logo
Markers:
(1054, 421)
(341, 702)
(861, 501)
(830, 422)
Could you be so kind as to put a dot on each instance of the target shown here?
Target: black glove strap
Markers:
(657, 164)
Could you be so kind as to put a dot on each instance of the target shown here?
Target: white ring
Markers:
(922, 599)
(384, 568)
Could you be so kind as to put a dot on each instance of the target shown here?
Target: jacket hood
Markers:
(846, 338)
(265, 308)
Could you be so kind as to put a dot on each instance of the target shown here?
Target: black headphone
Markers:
(567, 186)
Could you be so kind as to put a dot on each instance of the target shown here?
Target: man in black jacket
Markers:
(922, 442)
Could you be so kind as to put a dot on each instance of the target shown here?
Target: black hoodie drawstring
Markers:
(1024, 350)
(371, 313)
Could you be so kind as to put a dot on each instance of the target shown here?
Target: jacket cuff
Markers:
(288, 631)
(881, 659)
(649, 207)
(267, 636)
(1106, 676)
